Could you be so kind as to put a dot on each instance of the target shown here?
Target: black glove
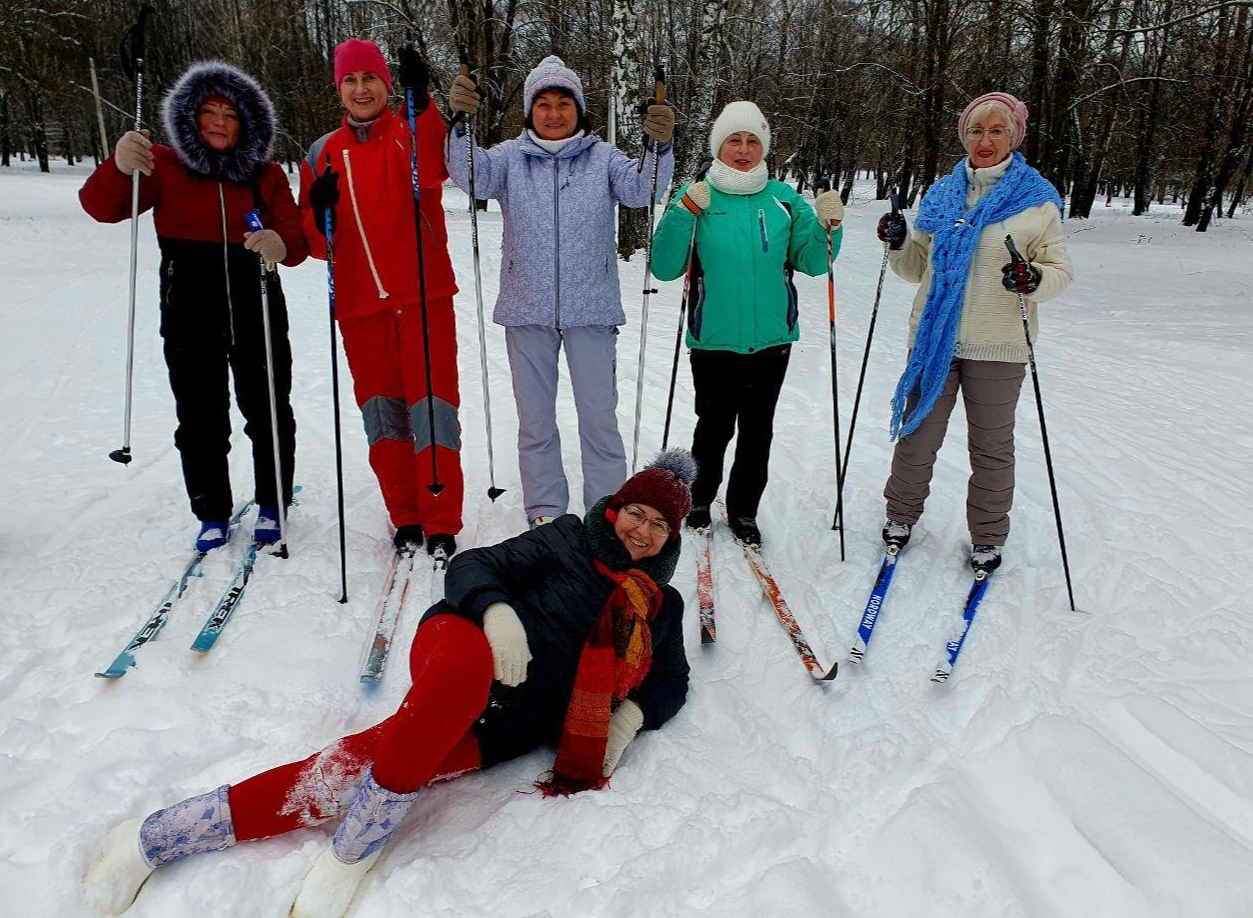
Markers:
(893, 230)
(323, 196)
(1021, 277)
(416, 75)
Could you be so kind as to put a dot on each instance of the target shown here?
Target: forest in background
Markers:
(1147, 99)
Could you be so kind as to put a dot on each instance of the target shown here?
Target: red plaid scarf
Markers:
(614, 661)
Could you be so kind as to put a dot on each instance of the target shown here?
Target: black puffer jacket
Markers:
(548, 577)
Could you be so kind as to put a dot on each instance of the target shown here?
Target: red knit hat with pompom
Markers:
(665, 484)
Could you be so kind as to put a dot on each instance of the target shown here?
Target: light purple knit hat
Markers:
(552, 73)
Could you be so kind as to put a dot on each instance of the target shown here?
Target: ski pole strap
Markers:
(131, 50)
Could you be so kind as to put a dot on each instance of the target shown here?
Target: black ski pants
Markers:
(201, 356)
(735, 390)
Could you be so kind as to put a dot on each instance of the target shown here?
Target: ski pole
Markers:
(411, 101)
(835, 388)
(678, 335)
(493, 492)
(253, 219)
(1016, 258)
(838, 522)
(328, 230)
(678, 338)
(659, 93)
(132, 54)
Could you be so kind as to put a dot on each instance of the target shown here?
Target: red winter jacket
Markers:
(376, 194)
(188, 206)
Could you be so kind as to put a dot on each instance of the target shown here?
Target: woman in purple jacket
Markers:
(557, 184)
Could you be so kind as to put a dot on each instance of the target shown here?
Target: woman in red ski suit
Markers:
(363, 170)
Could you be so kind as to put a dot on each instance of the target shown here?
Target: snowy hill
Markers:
(1090, 764)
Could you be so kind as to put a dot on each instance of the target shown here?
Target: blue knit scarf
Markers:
(954, 236)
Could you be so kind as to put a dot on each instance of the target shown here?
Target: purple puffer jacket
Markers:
(561, 273)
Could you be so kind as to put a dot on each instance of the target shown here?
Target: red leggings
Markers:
(429, 737)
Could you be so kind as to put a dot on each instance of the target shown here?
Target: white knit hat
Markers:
(551, 73)
(736, 117)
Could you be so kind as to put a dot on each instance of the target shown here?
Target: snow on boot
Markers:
(745, 530)
(114, 880)
(699, 518)
(441, 542)
(408, 536)
(540, 521)
(213, 535)
(985, 558)
(267, 529)
(372, 818)
(896, 535)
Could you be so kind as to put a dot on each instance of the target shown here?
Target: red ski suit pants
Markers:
(431, 736)
(388, 363)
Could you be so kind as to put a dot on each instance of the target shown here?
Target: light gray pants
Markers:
(591, 357)
(990, 392)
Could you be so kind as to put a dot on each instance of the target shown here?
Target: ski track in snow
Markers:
(1091, 763)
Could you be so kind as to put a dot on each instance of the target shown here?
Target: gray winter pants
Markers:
(592, 360)
(990, 392)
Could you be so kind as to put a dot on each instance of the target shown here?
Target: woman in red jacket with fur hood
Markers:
(216, 169)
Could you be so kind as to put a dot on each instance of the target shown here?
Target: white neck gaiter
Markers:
(729, 180)
(552, 146)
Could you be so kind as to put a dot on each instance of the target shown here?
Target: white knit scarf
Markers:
(729, 180)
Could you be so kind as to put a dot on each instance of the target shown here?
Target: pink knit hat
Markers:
(361, 54)
(1015, 114)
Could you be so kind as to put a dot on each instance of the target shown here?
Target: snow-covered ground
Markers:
(1090, 764)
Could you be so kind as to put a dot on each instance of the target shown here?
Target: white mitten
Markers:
(623, 725)
(507, 638)
(830, 209)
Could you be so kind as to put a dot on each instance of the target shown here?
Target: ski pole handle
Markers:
(659, 83)
(253, 219)
(1014, 255)
(896, 204)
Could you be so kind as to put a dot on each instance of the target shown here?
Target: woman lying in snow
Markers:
(567, 635)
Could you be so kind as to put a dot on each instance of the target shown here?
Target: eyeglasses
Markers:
(996, 133)
(639, 518)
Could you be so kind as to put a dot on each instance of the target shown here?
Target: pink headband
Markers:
(1016, 110)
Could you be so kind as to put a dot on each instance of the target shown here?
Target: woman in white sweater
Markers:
(965, 330)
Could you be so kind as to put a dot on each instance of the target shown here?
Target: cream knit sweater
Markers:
(991, 324)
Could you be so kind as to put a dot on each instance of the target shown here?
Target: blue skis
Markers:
(231, 596)
(156, 621)
(954, 646)
(874, 605)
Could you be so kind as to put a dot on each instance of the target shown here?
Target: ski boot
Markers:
(985, 558)
(896, 535)
(441, 543)
(409, 536)
(213, 534)
(267, 531)
(745, 530)
(699, 518)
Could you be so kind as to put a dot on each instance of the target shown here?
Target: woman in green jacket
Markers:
(752, 233)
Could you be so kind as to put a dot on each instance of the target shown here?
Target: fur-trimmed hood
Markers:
(257, 122)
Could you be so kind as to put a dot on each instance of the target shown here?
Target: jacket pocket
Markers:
(761, 224)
